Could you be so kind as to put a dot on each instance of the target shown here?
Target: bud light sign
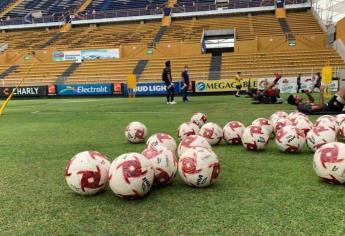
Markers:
(145, 89)
(83, 89)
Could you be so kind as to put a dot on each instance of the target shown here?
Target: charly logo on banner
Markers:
(144, 89)
(27, 91)
(83, 89)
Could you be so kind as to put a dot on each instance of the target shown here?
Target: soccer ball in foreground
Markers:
(255, 138)
(87, 172)
(131, 175)
(277, 115)
(302, 123)
(198, 167)
(162, 139)
(340, 118)
(212, 132)
(328, 121)
(192, 141)
(164, 163)
(297, 114)
(342, 129)
(264, 123)
(136, 132)
(329, 162)
(320, 135)
(187, 129)
(290, 139)
(199, 119)
(232, 132)
(280, 123)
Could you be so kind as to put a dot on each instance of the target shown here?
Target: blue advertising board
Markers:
(145, 89)
(83, 89)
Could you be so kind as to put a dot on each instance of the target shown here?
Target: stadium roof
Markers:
(330, 10)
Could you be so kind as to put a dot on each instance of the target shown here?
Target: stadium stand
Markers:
(4, 4)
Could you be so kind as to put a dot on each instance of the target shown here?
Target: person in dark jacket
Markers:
(318, 81)
(166, 77)
(185, 84)
(298, 83)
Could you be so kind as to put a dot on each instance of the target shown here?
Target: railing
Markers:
(87, 15)
(253, 74)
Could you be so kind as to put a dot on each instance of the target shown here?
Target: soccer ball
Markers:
(297, 114)
(280, 123)
(162, 139)
(198, 167)
(255, 138)
(233, 131)
(87, 172)
(342, 129)
(329, 162)
(164, 163)
(131, 175)
(328, 121)
(199, 119)
(302, 123)
(264, 123)
(136, 132)
(187, 129)
(212, 132)
(277, 115)
(320, 135)
(340, 118)
(290, 139)
(192, 141)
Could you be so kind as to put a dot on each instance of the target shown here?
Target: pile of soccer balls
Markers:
(132, 175)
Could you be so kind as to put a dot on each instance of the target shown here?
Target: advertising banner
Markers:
(224, 85)
(83, 89)
(145, 89)
(67, 56)
(102, 54)
(27, 91)
(96, 54)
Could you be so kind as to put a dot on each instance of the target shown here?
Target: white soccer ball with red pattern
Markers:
(280, 123)
(186, 129)
(319, 136)
(329, 162)
(328, 121)
(198, 167)
(87, 172)
(297, 114)
(192, 141)
(277, 115)
(162, 139)
(340, 118)
(264, 123)
(255, 138)
(131, 175)
(232, 132)
(136, 132)
(164, 163)
(342, 129)
(212, 132)
(290, 139)
(302, 123)
(199, 119)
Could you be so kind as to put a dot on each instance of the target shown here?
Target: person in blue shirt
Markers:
(185, 84)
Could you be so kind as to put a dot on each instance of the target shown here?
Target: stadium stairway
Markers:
(84, 6)
(53, 39)
(215, 66)
(67, 73)
(140, 67)
(10, 7)
(8, 71)
(285, 27)
(160, 34)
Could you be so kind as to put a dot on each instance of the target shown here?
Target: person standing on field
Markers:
(185, 84)
(238, 83)
(166, 77)
(298, 83)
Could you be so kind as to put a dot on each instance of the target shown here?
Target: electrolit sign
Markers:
(144, 89)
(83, 89)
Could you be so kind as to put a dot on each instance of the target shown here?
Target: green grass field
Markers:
(266, 193)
